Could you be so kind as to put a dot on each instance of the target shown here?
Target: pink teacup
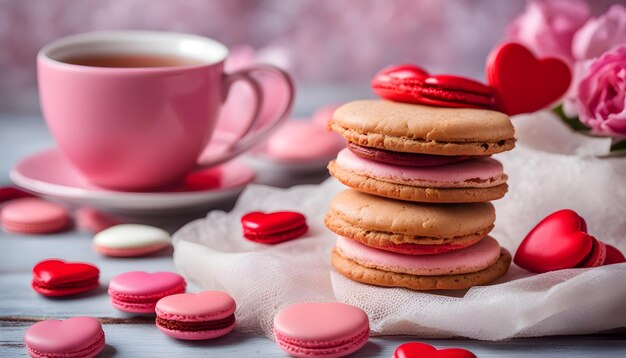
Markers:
(133, 110)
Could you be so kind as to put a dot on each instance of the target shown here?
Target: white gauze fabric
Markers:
(550, 169)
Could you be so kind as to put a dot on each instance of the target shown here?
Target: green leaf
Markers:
(573, 122)
(618, 145)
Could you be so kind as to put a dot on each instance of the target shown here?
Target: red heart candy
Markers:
(411, 84)
(60, 278)
(558, 242)
(524, 83)
(272, 222)
(273, 228)
(423, 350)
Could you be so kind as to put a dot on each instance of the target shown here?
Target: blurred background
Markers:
(331, 47)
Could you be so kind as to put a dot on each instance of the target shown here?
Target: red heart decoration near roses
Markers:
(560, 241)
(524, 83)
(412, 84)
(60, 278)
(423, 350)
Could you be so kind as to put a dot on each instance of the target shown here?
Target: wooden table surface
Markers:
(132, 336)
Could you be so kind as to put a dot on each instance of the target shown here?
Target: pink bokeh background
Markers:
(328, 41)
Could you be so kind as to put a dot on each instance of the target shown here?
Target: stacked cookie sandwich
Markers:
(418, 213)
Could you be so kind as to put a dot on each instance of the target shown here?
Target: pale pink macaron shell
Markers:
(34, 215)
(125, 289)
(71, 338)
(328, 329)
(300, 140)
(461, 174)
(470, 259)
(199, 307)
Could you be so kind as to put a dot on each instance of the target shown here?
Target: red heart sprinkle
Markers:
(524, 83)
(423, 350)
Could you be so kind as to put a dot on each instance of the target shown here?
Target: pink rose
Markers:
(601, 100)
(547, 27)
(601, 34)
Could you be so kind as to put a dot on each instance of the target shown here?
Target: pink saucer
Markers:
(47, 173)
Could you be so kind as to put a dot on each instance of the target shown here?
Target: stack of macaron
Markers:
(421, 177)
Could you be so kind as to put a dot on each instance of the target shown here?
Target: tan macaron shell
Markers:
(373, 213)
(413, 128)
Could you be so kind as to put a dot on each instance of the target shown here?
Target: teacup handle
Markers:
(250, 137)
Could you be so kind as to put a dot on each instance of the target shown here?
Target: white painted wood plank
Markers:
(144, 340)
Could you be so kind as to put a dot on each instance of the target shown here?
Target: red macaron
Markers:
(59, 278)
(412, 84)
(273, 228)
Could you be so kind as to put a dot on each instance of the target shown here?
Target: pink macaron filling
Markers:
(476, 172)
(471, 259)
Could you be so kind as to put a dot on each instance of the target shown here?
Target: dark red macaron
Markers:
(59, 278)
(273, 228)
(10, 193)
(613, 256)
(404, 159)
(412, 84)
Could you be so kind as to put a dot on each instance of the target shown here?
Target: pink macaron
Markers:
(327, 329)
(139, 292)
(78, 337)
(34, 216)
(288, 144)
(203, 315)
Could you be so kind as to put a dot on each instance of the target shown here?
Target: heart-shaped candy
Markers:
(268, 223)
(273, 228)
(524, 83)
(409, 83)
(560, 241)
(60, 278)
(423, 350)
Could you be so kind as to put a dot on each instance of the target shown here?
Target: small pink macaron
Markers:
(139, 292)
(327, 329)
(203, 315)
(77, 337)
(301, 140)
(34, 216)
